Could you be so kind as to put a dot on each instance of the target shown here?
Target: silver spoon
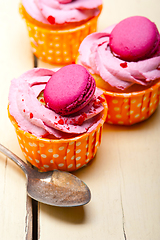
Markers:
(57, 188)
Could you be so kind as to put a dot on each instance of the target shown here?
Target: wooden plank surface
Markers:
(15, 58)
(124, 177)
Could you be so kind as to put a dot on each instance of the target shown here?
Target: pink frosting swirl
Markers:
(96, 56)
(61, 11)
(34, 117)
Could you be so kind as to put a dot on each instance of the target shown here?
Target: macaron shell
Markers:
(69, 89)
(134, 38)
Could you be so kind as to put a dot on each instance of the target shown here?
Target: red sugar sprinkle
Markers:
(61, 121)
(101, 99)
(31, 115)
(42, 100)
(81, 119)
(158, 68)
(123, 65)
(98, 102)
(24, 110)
(51, 19)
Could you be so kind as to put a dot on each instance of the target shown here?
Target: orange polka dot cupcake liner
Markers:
(131, 108)
(64, 154)
(58, 46)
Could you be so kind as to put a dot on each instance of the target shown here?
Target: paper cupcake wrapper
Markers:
(131, 108)
(58, 46)
(64, 154)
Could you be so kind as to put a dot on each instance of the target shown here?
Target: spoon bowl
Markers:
(56, 188)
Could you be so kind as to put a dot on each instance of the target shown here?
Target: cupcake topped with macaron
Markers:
(57, 110)
(56, 28)
(125, 62)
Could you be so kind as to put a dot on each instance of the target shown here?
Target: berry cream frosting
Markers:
(33, 116)
(62, 11)
(96, 55)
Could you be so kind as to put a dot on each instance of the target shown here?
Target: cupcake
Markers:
(56, 28)
(58, 116)
(125, 62)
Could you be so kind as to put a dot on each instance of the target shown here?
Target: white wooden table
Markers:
(124, 177)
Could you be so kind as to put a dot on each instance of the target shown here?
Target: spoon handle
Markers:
(15, 158)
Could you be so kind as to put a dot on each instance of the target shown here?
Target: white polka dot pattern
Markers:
(64, 154)
(59, 46)
(60, 155)
(131, 108)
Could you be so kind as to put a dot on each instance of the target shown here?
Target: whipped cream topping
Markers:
(34, 117)
(96, 56)
(61, 11)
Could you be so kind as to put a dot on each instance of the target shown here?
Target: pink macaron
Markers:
(134, 38)
(69, 90)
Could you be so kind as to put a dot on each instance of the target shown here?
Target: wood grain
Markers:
(124, 177)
